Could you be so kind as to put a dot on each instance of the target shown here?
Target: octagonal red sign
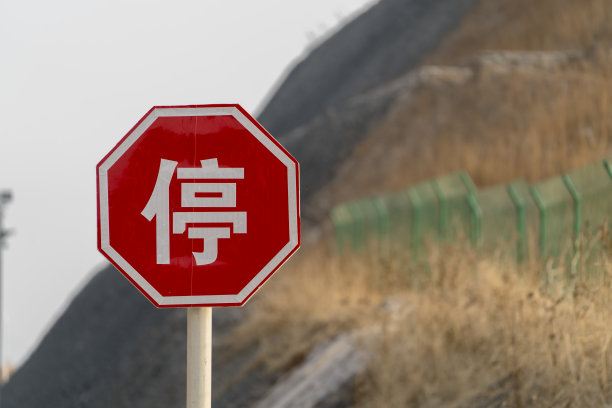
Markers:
(198, 205)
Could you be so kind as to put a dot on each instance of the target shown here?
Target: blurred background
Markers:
(456, 197)
(76, 77)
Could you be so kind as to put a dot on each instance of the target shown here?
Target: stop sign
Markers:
(198, 205)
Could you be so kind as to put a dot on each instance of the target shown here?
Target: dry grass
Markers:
(486, 333)
(499, 126)
(529, 25)
(469, 331)
(530, 125)
(316, 296)
(464, 331)
(502, 124)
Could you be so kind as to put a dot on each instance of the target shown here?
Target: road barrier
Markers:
(548, 216)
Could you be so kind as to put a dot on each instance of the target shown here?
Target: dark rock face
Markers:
(113, 348)
(96, 349)
(378, 46)
(314, 113)
(322, 144)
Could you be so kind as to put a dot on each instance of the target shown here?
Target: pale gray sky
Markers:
(76, 76)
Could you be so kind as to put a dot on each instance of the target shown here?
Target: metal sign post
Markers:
(5, 197)
(199, 357)
(198, 206)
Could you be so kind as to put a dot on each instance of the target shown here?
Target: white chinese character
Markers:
(158, 206)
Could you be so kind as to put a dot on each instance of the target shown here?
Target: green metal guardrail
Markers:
(554, 213)
(501, 222)
(455, 213)
(527, 219)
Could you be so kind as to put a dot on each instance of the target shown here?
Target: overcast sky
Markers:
(75, 76)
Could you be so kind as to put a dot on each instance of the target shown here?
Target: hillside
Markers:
(113, 349)
(520, 90)
(392, 37)
(509, 95)
(409, 90)
(317, 113)
(450, 118)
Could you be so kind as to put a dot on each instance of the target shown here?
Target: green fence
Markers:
(547, 217)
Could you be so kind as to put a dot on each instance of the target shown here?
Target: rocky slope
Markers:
(320, 113)
(392, 37)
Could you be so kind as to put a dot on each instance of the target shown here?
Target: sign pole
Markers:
(199, 356)
(213, 164)
(5, 197)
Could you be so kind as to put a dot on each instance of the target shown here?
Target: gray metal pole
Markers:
(5, 197)
(1, 299)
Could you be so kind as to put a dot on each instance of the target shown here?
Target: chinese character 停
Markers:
(158, 206)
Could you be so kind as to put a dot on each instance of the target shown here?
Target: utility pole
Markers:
(5, 197)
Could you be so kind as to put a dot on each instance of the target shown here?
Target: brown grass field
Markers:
(485, 333)
(465, 331)
(472, 330)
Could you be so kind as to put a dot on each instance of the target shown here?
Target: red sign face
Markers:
(198, 206)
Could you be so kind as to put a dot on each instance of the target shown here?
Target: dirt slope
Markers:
(501, 116)
(509, 95)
